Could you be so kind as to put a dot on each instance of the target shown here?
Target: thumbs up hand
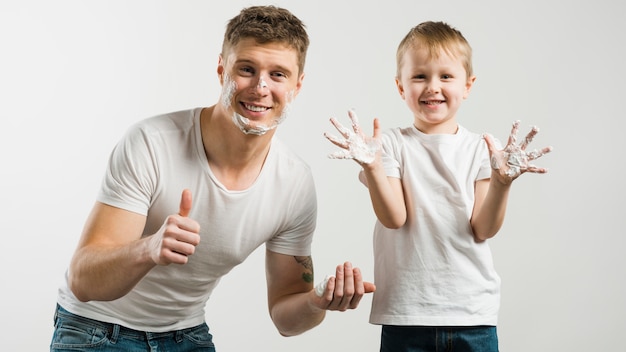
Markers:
(177, 238)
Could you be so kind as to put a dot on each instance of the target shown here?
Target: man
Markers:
(189, 195)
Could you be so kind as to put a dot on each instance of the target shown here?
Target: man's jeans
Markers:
(76, 333)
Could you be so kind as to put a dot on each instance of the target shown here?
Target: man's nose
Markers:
(261, 84)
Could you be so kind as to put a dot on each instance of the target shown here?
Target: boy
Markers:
(438, 192)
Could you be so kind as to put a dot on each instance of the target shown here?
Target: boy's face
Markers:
(433, 89)
(259, 81)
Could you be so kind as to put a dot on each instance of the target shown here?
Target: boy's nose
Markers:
(433, 87)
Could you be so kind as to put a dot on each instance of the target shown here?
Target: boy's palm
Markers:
(356, 145)
(512, 161)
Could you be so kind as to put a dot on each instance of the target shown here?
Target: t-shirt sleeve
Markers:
(296, 235)
(130, 176)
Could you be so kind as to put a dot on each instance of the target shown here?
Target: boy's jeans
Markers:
(439, 338)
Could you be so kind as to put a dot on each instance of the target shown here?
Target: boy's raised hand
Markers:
(512, 161)
(355, 144)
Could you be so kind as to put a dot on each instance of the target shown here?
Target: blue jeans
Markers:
(75, 333)
(438, 338)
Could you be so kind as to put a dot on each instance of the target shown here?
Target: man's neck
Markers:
(235, 158)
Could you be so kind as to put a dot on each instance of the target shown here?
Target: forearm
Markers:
(489, 217)
(108, 273)
(387, 199)
(295, 314)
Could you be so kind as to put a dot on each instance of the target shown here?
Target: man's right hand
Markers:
(177, 239)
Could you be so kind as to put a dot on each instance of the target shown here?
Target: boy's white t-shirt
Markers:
(147, 172)
(431, 271)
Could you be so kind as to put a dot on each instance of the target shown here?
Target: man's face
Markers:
(259, 81)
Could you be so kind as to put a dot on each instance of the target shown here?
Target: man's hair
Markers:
(267, 24)
(436, 37)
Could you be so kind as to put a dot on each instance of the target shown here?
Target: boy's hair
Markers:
(267, 24)
(436, 37)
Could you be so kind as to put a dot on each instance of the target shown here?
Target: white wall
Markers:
(75, 74)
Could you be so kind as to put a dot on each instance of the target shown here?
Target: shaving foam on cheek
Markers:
(287, 109)
(321, 287)
(228, 90)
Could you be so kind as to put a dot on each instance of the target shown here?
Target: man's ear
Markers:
(299, 85)
(220, 69)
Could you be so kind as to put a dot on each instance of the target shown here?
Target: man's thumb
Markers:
(185, 203)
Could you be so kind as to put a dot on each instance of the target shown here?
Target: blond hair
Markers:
(437, 37)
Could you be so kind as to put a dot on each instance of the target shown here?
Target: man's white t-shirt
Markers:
(147, 172)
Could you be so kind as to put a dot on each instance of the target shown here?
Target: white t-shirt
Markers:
(431, 271)
(147, 172)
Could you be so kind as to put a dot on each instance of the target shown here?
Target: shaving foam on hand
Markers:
(355, 145)
(321, 287)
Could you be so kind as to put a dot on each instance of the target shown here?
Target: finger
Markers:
(339, 284)
(491, 145)
(369, 287)
(358, 289)
(536, 170)
(355, 121)
(376, 124)
(529, 137)
(341, 154)
(546, 150)
(336, 140)
(535, 154)
(344, 131)
(330, 289)
(348, 282)
(513, 136)
(185, 203)
(185, 246)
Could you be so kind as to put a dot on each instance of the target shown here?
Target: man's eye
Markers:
(246, 71)
(279, 75)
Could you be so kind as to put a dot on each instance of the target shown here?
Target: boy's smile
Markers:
(433, 87)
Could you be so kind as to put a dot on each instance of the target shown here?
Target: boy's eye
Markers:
(419, 77)
(446, 76)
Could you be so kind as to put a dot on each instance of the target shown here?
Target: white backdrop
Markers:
(75, 74)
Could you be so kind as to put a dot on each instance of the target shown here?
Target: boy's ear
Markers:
(400, 87)
(468, 86)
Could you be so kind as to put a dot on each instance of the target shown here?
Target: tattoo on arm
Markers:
(307, 263)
